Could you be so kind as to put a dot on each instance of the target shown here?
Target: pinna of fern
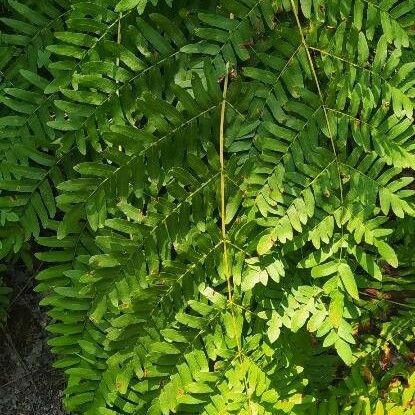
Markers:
(27, 169)
(30, 168)
(234, 171)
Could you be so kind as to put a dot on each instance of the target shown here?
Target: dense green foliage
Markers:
(221, 194)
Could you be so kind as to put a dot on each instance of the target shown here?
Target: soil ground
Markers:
(29, 385)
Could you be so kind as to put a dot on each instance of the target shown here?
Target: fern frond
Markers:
(233, 185)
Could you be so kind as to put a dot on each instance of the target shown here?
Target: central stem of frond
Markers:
(222, 181)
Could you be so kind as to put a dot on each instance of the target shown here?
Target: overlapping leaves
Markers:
(228, 178)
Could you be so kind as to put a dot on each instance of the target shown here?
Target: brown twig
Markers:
(19, 358)
(24, 288)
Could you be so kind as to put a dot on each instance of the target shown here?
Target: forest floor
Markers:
(29, 385)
